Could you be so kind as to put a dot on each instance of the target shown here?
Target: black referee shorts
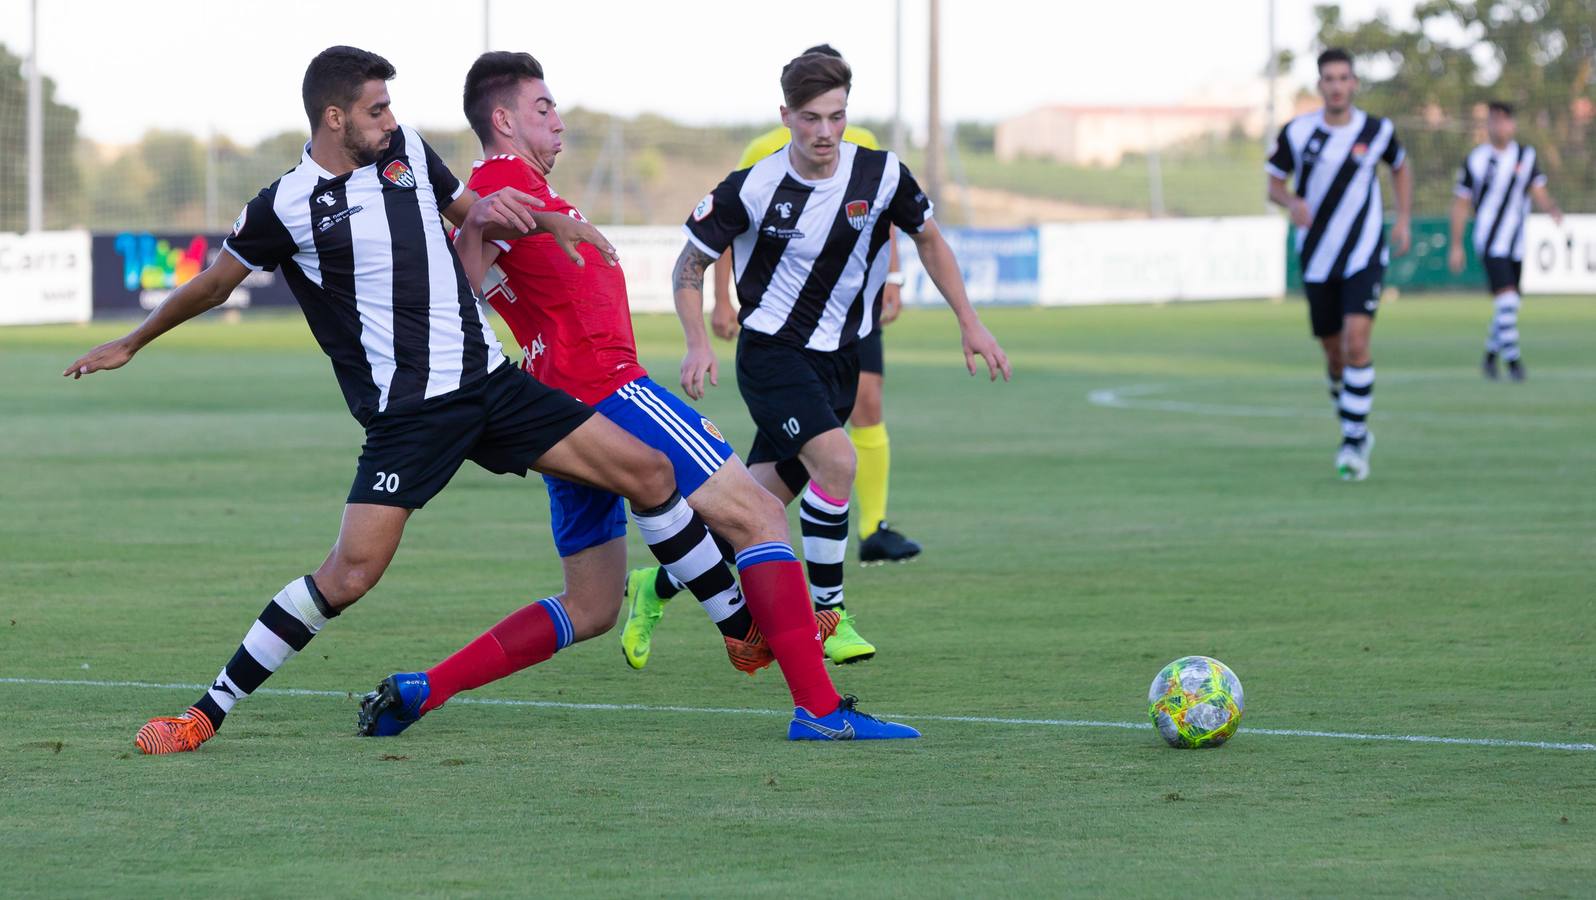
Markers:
(793, 393)
(1503, 273)
(1332, 300)
(872, 357)
(503, 423)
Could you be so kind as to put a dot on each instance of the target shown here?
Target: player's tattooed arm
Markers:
(690, 268)
(688, 285)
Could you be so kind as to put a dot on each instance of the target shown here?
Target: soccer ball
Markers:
(1195, 702)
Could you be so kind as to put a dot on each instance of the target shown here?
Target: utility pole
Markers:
(1272, 75)
(933, 144)
(898, 145)
(35, 124)
(487, 25)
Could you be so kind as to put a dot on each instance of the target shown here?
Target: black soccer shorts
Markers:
(1331, 301)
(1502, 273)
(793, 393)
(872, 356)
(503, 423)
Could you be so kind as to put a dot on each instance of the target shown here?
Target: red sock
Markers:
(778, 598)
(525, 638)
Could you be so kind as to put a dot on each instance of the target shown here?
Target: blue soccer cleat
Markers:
(845, 724)
(394, 706)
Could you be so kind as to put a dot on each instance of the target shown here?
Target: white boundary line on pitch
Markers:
(714, 710)
(1141, 397)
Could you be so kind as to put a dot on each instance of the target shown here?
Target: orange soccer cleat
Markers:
(752, 653)
(175, 734)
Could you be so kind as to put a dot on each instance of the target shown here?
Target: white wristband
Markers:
(895, 278)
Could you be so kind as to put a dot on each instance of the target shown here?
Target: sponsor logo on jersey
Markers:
(858, 211)
(710, 427)
(704, 208)
(784, 209)
(399, 175)
(326, 199)
(327, 222)
(782, 234)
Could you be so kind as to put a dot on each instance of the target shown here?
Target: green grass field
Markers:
(1074, 546)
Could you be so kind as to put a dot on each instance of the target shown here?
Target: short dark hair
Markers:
(1501, 106)
(1334, 55)
(489, 84)
(335, 77)
(824, 50)
(812, 74)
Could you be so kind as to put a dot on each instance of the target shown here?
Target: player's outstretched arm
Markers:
(1455, 254)
(1545, 203)
(1281, 195)
(724, 316)
(687, 283)
(207, 290)
(1402, 229)
(937, 259)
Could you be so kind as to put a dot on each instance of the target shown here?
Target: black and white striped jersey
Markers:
(368, 258)
(807, 255)
(1497, 182)
(1335, 169)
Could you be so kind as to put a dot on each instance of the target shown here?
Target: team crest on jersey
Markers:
(399, 175)
(858, 211)
(704, 208)
(710, 427)
(1359, 151)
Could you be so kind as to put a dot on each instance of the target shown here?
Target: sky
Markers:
(234, 66)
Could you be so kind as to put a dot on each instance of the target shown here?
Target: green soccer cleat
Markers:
(644, 606)
(846, 645)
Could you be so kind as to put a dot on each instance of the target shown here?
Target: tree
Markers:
(1434, 77)
(62, 185)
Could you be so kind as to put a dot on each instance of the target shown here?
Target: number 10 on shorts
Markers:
(790, 427)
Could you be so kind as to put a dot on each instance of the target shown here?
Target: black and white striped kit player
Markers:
(808, 257)
(1497, 183)
(1342, 251)
(809, 261)
(368, 258)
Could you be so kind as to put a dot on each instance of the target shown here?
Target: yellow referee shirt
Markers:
(777, 138)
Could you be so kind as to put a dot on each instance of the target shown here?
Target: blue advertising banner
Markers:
(1000, 265)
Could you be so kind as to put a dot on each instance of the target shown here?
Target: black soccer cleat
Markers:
(885, 546)
(1515, 369)
(1488, 366)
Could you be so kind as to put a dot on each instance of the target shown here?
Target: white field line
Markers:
(1143, 397)
(713, 710)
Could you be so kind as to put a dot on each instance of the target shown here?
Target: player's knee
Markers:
(592, 616)
(653, 479)
(347, 583)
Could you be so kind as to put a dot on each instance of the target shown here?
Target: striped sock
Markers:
(281, 630)
(689, 553)
(823, 522)
(1357, 399)
(1504, 326)
(523, 639)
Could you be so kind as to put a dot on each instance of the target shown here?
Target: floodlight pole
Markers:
(487, 25)
(897, 77)
(1272, 71)
(933, 143)
(35, 124)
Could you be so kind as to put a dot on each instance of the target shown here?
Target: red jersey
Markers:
(573, 322)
